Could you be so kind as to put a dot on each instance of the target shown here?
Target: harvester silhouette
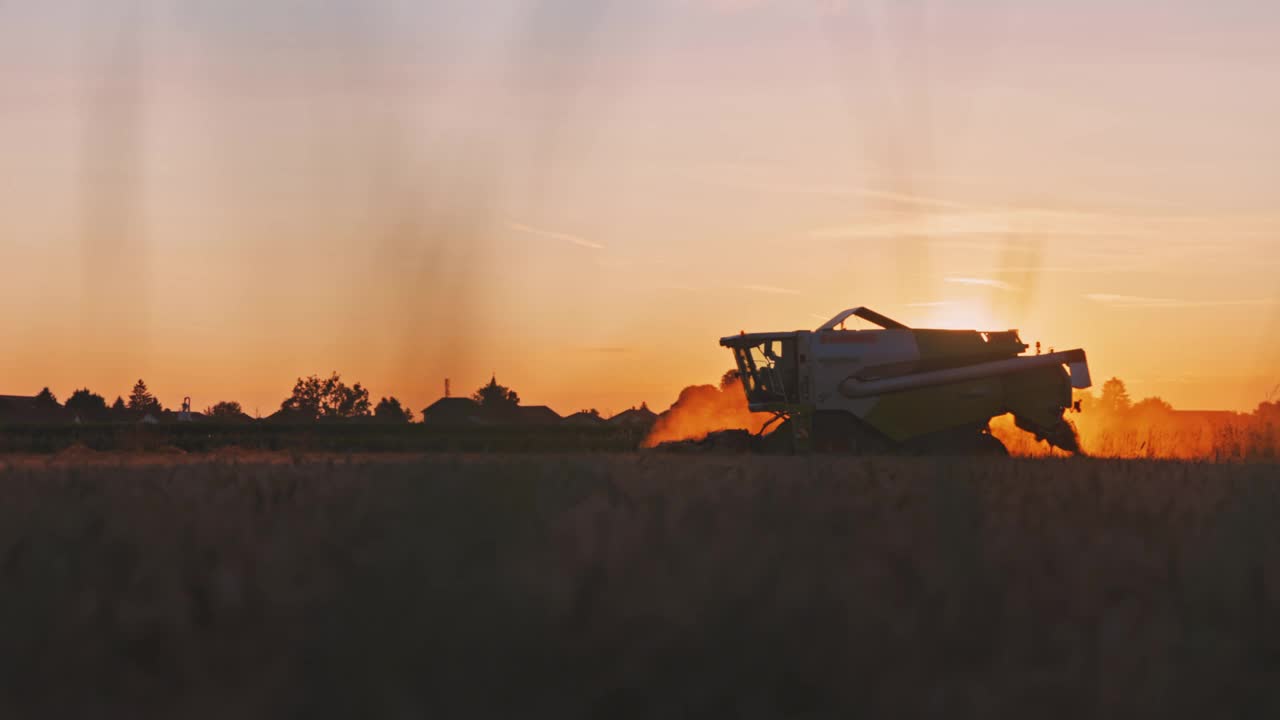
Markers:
(900, 389)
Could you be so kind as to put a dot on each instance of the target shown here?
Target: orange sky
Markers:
(583, 198)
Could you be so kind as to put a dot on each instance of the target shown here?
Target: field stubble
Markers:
(632, 585)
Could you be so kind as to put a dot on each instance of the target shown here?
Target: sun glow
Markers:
(960, 315)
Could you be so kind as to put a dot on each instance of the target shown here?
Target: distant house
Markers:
(289, 417)
(537, 415)
(454, 411)
(173, 416)
(641, 418)
(134, 417)
(465, 411)
(23, 410)
(1207, 423)
(584, 419)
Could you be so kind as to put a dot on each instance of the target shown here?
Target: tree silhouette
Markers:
(729, 378)
(496, 397)
(118, 405)
(328, 398)
(84, 403)
(229, 409)
(46, 398)
(1115, 397)
(1268, 411)
(1152, 406)
(390, 410)
(307, 397)
(141, 399)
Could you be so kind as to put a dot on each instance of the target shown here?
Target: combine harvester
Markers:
(897, 389)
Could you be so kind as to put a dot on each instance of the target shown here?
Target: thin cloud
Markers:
(936, 303)
(1022, 243)
(1135, 301)
(909, 199)
(1066, 269)
(827, 189)
(981, 282)
(971, 221)
(574, 239)
(959, 218)
(933, 225)
(770, 290)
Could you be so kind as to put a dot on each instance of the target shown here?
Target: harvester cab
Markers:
(895, 388)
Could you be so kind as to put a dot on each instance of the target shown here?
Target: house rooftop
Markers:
(23, 409)
(634, 416)
(537, 414)
(452, 410)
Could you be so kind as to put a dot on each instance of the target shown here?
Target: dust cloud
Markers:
(1109, 424)
(704, 409)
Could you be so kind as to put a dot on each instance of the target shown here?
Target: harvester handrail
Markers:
(867, 314)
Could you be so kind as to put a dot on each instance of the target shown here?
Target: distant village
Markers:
(314, 399)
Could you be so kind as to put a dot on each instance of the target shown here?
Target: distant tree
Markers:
(592, 412)
(328, 398)
(306, 397)
(1268, 411)
(141, 399)
(350, 402)
(390, 410)
(47, 398)
(1152, 406)
(1115, 397)
(495, 396)
(84, 403)
(118, 405)
(729, 378)
(228, 409)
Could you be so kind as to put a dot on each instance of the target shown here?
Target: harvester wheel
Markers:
(780, 440)
(1060, 433)
(840, 432)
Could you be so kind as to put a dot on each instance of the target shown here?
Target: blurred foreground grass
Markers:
(637, 586)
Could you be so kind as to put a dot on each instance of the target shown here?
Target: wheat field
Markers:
(636, 585)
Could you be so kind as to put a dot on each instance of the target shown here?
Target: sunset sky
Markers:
(582, 196)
